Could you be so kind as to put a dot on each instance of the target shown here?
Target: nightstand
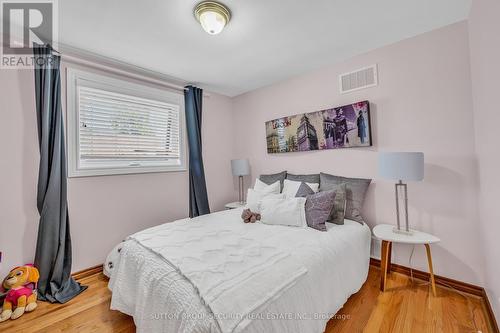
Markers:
(233, 205)
(384, 233)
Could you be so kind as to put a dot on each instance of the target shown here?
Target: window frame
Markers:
(76, 78)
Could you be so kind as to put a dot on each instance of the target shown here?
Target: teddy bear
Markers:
(112, 260)
(249, 217)
(20, 285)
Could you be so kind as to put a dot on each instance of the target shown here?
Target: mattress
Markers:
(162, 299)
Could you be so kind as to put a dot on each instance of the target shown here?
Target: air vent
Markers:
(359, 79)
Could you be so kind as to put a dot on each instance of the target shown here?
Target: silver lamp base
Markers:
(402, 231)
(402, 187)
(241, 193)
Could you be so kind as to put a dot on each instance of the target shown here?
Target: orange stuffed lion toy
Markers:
(21, 295)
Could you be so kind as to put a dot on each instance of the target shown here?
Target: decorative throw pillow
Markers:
(265, 188)
(355, 193)
(303, 191)
(272, 178)
(338, 209)
(290, 212)
(254, 199)
(318, 209)
(314, 178)
(290, 188)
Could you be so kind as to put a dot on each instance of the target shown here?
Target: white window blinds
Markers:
(118, 127)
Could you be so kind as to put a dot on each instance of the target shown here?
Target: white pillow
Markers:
(290, 212)
(263, 187)
(254, 199)
(290, 187)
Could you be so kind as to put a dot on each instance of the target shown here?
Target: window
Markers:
(116, 127)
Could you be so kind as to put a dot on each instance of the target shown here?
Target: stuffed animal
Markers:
(249, 217)
(112, 260)
(21, 292)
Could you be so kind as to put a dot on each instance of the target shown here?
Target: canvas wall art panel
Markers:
(341, 127)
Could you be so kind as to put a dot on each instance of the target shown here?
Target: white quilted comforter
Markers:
(216, 274)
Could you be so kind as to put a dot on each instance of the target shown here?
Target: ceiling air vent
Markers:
(359, 79)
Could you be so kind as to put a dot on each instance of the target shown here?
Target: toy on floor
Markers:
(249, 217)
(20, 285)
(112, 260)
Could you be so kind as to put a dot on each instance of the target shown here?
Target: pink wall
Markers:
(485, 63)
(103, 210)
(423, 103)
(18, 168)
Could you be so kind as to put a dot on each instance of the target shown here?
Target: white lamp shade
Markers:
(240, 167)
(401, 166)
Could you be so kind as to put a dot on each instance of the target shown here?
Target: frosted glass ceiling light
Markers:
(212, 16)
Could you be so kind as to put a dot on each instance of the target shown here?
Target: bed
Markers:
(216, 274)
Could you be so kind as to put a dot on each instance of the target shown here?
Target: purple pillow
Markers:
(318, 209)
(303, 191)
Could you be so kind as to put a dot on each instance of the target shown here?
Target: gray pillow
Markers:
(338, 209)
(318, 208)
(314, 178)
(273, 178)
(355, 193)
(303, 191)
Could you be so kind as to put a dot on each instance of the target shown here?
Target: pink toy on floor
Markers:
(20, 285)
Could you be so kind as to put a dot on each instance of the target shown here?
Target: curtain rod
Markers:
(123, 72)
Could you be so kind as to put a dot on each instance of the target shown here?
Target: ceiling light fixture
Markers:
(213, 16)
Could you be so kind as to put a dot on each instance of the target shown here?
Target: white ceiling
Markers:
(265, 42)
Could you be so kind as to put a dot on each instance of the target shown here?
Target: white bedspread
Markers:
(227, 260)
(216, 274)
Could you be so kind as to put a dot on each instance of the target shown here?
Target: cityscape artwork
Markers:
(341, 127)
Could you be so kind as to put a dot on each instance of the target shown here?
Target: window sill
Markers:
(124, 171)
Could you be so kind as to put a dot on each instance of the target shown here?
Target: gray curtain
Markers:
(198, 197)
(53, 247)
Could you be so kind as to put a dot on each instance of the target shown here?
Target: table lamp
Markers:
(401, 166)
(240, 168)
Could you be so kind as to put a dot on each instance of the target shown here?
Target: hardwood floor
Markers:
(404, 307)
(408, 306)
(88, 312)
